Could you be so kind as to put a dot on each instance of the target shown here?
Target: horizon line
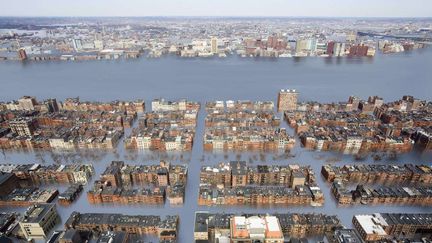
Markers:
(214, 16)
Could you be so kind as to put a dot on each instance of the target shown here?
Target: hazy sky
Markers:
(339, 8)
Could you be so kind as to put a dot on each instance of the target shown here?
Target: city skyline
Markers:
(222, 8)
(200, 121)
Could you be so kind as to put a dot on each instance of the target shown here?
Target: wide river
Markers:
(318, 79)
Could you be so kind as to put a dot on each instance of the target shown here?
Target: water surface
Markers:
(320, 79)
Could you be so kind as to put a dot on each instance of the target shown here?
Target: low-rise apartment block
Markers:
(401, 195)
(235, 183)
(388, 226)
(119, 182)
(18, 182)
(37, 174)
(169, 127)
(359, 126)
(244, 125)
(225, 227)
(24, 197)
(380, 184)
(73, 124)
(379, 173)
(165, 229)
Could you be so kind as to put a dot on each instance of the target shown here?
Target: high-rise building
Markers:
(339, 49)
(287, 100)
(354, 102)
(312, 45)
(330, 48)
(24, 126)
(27, 103)
(52, 105)
(321, 48)
(214, 45)
(305, 46)
(77, 44)
(376, 101)
(38, 221)
(272, 42)
(22, 54)
(358, 51)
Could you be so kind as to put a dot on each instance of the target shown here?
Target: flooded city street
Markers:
(318, 79)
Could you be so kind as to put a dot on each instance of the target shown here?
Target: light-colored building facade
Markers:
(256, 229)
(214, 45)
(27, 103)
(38, 221)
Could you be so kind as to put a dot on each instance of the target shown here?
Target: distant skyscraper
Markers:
(330, 48)
(77, 44)
(312, 45)
(377, 101)
(23, 126)
(52, 105)
(287, 100)
(358, 51)
(27, 103)
(339, 49)
(272, 41)
(321, 48)
(354, 102)
(22, 54)
(214, 45)
(305, 46)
